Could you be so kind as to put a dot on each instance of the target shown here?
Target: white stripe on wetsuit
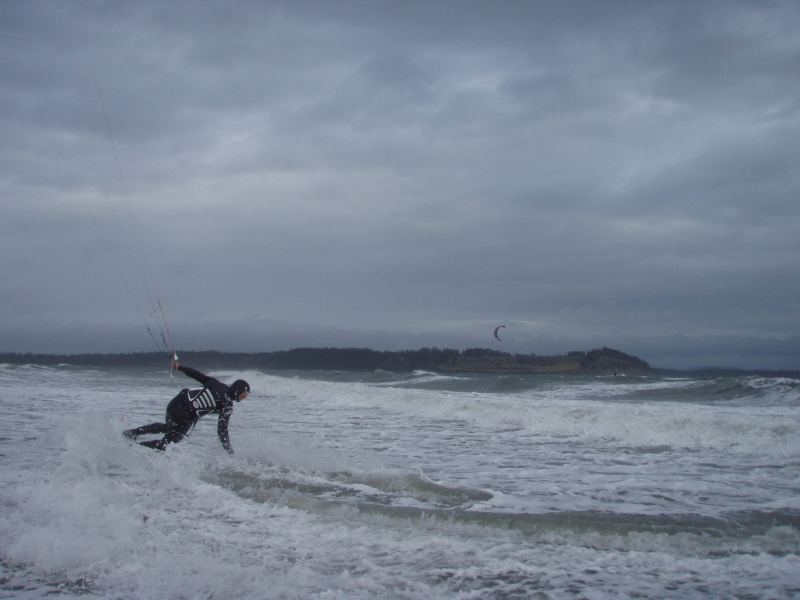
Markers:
(204, 401)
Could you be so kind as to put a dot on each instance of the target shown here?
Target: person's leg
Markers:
(174, 406)
(175, 433)
(180, 419)
(144, 430)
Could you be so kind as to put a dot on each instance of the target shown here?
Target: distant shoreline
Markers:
(474, 360)
(478, 360)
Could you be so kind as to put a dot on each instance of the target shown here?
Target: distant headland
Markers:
(474, 360)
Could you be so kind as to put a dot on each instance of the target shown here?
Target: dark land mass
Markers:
(474, 360)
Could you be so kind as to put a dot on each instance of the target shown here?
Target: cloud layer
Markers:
(393, 174)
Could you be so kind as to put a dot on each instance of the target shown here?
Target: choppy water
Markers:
(386, 485)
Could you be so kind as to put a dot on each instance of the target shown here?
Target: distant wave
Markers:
(778, 391)
(419, 378)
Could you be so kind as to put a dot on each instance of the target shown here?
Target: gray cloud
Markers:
(281, 174)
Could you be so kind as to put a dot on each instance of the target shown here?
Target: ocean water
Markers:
(402, 485)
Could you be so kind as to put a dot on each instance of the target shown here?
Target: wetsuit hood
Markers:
(239, 386)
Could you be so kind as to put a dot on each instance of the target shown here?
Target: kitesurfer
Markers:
(497, 332)
(188, 406)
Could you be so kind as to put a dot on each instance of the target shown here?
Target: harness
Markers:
(203, 400)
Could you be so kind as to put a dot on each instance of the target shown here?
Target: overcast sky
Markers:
(403, 174)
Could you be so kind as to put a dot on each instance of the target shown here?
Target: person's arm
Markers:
(194, 374)
(222, 428)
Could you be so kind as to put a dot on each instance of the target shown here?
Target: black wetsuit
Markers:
(187, 407)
